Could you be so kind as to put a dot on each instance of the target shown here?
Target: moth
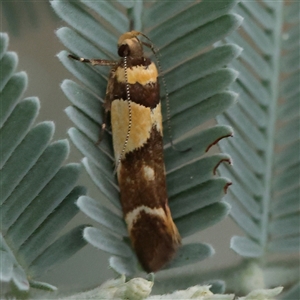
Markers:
(133, 100)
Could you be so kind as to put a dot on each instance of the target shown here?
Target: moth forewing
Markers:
(133, 99)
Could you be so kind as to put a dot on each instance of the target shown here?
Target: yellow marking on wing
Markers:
(142, 121)
(171, 227)
(138, 74)
(140, 128)
(156, 118)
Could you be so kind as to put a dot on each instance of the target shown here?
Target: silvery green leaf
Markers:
(37, 192)
(245, 247)
(190, 254)
(123, 265)
(60, 250)
(102, 215)
(106, 242)
(265, 151)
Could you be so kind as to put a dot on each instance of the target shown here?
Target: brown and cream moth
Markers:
(132, 98)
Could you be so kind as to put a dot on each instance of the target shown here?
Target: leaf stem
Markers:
(271, 126)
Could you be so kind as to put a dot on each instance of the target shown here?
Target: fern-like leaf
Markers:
(197, 79)
(37, 193)
(266, 147)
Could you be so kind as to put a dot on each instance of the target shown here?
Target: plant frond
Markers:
(37, 192)
(198, 81)
(265, 150)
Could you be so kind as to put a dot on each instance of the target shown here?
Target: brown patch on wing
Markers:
(109, 94)
(144, 94)
(136, 61)
(155, 240)
(147, 95)
(135, 189)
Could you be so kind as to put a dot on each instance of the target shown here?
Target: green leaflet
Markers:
(37, 193)
(265, 170)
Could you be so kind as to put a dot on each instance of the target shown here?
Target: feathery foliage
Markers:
(33, 185)
(197, 79)
(266, 147)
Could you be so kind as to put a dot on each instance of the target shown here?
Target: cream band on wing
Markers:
(138, 74)
(133, 216)
(156, 118)
(142, 120)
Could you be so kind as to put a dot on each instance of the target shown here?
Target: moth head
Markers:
(130, 45)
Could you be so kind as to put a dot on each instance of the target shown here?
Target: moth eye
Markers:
(124, 50)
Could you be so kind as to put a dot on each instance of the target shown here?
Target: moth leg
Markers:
(104, 123)
(93, 61)
(107, 103)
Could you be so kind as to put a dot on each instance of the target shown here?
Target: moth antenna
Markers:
(129, 114)
(156, 53)
(93, 61)
(167, 105)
